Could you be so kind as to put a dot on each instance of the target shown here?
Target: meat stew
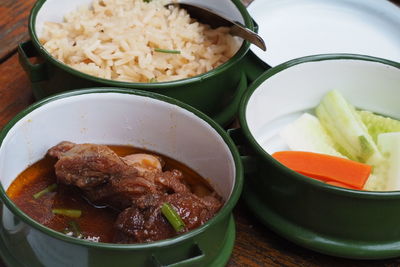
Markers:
(113, 194)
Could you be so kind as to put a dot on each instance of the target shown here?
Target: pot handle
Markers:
(249, 161)
(196, 256)
(35, 71)
(224, 117)
(253, 65)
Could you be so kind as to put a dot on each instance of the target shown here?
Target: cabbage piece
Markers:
(307, 134)
(377, 124)
(349, 133)
(389, 144)
(377, 180)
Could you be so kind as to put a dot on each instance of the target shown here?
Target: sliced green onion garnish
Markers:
(73, 229)
(68, 212)
(172, 216)
(74, 226)
(48, 189)
(153, 80)
(167, 51)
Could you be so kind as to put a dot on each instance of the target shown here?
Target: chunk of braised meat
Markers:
(87, 165)
(150, 168)
(58, 150)
(172, 182)
(122, 191)
(144, 222)
(135, 184)
(108, 179)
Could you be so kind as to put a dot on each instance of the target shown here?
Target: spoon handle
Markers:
(247, 34)
(208, 16)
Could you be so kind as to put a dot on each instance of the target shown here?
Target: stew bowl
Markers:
(117, 116)
(328, 219)
(209, 92)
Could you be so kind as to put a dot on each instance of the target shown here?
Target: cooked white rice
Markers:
(119, 39)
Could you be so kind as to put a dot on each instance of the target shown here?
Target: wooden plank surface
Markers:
(255, 245)
(13, 25)
(15, 92)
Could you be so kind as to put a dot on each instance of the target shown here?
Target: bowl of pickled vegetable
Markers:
(324, 132)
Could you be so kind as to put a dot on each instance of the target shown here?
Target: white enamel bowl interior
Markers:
(54, 10)
(298, 28)
(286, 95)
(122, 119)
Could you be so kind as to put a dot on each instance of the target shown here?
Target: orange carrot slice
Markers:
(325, 167)
(342, 185)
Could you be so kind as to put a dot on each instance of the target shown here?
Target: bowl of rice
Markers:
(136, 44)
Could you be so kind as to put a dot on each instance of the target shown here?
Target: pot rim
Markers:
(198, 78)
(221, 215)
(260, 152)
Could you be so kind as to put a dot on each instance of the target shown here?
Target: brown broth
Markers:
(94, 222)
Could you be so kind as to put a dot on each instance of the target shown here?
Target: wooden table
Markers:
(255, 244)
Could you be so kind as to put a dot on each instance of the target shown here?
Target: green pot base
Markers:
(220, 261)
(319, 242)
(7, 257)
(224, 116)
(229, 243)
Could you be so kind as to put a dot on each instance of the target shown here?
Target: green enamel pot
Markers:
(328, 219)
(211, 92)
(126, 117)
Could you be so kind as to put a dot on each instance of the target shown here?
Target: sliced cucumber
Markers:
(307, 134)
(347, 130)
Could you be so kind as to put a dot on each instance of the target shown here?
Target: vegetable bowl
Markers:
(334, 220)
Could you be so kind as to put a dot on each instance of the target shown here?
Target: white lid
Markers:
(297, 28)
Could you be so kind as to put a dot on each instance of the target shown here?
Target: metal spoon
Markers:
(208, 16)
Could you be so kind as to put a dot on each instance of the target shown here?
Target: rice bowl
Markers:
(137, 41)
